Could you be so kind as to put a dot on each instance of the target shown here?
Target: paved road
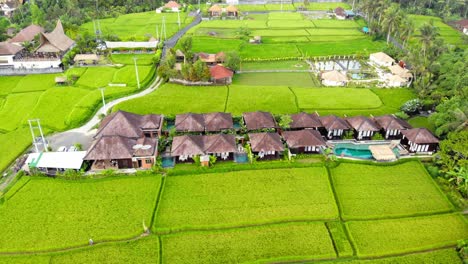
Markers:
(84, 134)
(172, 41)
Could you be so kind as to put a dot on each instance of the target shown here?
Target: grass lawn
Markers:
(274, 65)
(16, 109)
(276, 99)
(421, 121)
(336, 98)
(296, 241)
(138, 26)
(142, 59)
(214, 45)
(269, 51)
(172, 99)
(444, 256)
(52, 213)
(35, 82)
(127, 75)
(363, 46)
(404, 190)
(302, 79)
(287, 194)
(393, 236)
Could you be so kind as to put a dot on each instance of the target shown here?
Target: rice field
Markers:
(406, 190)
(288, 194)
(53, 213)
(449, 34)
(284, 35)
(59, 107)
(260, 215)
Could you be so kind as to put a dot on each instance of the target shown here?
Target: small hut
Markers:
(232, 11)
(86, 59)
(334, 78)
(61, 80)
(221, 74)
(215, 11)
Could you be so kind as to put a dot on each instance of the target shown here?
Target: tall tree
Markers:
(392, 19)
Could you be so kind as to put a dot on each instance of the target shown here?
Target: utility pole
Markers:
(42, 138)
(136, 72)
(163, 30)
(103, 100)
(178, 18)
(281, 6)
(157, 32)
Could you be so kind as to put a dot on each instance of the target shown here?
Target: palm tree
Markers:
(407, 29)
(460, 176)
(392, 18)
(428, 35)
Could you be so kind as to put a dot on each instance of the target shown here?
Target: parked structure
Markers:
(420, 140)
(211, 122)
(334, 126)
(364, 127)
(391, 126)
(185, 148)
(340, 13)
(304, 141)
(381, 59)
(221, 75)
(305, 121)
(52, 163)
(266, 145)
(334, 78)
(259, 120)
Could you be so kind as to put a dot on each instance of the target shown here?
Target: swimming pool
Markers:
(241, 158)
(358, 151)
(168, 162)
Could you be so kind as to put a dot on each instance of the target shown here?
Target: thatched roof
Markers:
(420, 136)
(303, 138)
(397, 70)
(332, 122)
(382, 152)
(259, 120)
(9, 49)
(334, 76)
(362, 123)
(218, 72)
(265, 142)
(86, 57)
(179, 53)
(215, 8)
(190, 122)
(232, 8)
(27, 34)
(55, 41)
(200, 145)
(305, 120)
(382, 57)
(396, 79)
(340, 11)
(118, 147)
(128, 124)
(389, 122)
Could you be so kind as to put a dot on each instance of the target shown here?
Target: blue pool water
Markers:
(241, 157)
(359, 151)
(168, 162)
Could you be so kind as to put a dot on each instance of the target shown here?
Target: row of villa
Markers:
(127, 140)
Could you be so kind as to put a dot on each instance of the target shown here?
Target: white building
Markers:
(381, 59)
(334, 78)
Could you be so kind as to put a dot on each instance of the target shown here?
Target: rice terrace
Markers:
(233, 131)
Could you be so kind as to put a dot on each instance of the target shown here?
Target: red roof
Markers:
(220, 72)
(171, 4)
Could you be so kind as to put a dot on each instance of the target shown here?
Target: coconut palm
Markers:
(428, 35)
(407, 29)
(392, 18)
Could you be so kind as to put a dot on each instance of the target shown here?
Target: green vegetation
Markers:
(386, 237)
(447, 33)
(324, 6)
(238, 200)
(421, 121)
(444, 256)
(296, 241)
(138, 26)
(174, 99)
(81, 210)
(274, 65)
(127, 59)
(405, 190)
(300, 79)
(337, 98)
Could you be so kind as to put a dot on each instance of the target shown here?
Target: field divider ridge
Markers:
(340, 210)
(158, 199)
(296, 100)
(240, 226)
